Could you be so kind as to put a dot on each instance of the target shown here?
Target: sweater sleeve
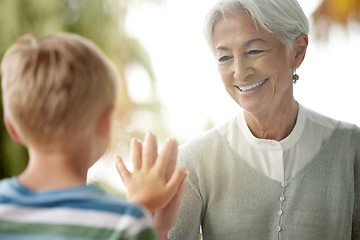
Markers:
(189, 215)
(190, 212)
(356, 214)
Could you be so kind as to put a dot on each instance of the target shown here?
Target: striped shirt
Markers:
(79, 213)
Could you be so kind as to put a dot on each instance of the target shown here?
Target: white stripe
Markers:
(87, 218)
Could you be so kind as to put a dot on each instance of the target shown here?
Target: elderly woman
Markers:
(278, 170)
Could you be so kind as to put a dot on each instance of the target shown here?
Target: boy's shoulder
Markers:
(90, 197)
(85, 207)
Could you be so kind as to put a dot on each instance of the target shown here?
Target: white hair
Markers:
(285, 18)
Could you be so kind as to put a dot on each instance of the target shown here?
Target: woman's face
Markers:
(253, 64)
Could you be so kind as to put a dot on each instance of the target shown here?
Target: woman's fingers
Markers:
(136, 153)
(150, 151)
(122, 170)
(167, 158)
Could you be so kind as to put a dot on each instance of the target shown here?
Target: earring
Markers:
(295, 77)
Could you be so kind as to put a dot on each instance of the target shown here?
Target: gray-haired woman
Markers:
(278, 170)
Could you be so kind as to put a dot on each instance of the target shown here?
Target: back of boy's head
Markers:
(54, 89)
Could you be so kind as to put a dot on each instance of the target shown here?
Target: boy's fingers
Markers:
(122, 170)
(136, 153)
(176, 180)
(166, 161)
(150, 150)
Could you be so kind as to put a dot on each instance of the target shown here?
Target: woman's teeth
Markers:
(249, 87)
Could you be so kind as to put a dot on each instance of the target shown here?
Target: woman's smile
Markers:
(251, 86)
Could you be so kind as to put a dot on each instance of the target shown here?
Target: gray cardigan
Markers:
(231, 200)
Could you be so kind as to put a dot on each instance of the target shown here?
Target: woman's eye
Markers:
(254, 52)
(223, 59)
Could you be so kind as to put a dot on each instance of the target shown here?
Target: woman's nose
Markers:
(242, 69)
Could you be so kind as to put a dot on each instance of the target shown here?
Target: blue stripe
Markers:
(85, 197)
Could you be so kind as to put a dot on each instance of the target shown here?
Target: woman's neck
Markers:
(275, 125)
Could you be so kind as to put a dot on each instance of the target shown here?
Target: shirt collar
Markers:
(286, 143)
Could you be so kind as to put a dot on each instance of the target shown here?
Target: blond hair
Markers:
(54, 88)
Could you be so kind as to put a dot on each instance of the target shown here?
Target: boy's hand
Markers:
(151, 184)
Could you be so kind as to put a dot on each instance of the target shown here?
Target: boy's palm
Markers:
(153, 183)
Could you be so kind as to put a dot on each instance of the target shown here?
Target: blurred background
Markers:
(168, 76)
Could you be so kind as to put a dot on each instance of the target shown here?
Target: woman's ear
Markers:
(300, 47)
(103, 126)
(11, 131)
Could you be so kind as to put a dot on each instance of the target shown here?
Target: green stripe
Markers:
(71, 231)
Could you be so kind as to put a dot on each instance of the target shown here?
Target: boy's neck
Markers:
(55, 170)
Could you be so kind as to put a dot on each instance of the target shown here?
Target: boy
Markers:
(58, 97)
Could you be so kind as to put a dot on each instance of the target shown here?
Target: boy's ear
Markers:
(103, 126)
(300, 47)
(11, 131)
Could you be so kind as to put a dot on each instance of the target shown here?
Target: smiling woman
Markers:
(255, 67)
(277, 170)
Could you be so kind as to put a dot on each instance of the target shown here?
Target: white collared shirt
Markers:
(280, 160)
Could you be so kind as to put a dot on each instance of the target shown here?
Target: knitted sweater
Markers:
(229, 199)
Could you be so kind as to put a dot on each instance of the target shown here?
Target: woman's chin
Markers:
(253, 107)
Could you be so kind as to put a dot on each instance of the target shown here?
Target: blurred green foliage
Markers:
(102, 21)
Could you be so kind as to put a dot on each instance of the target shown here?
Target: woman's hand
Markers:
(153, 183)
(165, 218)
